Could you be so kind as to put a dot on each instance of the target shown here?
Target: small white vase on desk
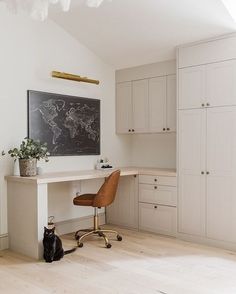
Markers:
(39, 170)
(16, 169)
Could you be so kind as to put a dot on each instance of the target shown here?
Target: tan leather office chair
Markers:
(104, 197)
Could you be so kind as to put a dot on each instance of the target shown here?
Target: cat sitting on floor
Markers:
(53, 249)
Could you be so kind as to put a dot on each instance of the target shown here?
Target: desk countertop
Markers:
(67, 176)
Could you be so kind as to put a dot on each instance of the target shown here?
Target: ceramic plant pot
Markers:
(28, 167)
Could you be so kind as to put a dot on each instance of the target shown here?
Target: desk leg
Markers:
(27, 216)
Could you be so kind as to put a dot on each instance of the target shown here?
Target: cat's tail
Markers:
(70, 251)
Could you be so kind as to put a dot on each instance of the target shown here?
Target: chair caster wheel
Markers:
(119, 238)
(100, 234)
(77, 237)
(80, 245)
(108, 245)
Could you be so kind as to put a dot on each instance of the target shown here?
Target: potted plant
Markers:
(28, 153)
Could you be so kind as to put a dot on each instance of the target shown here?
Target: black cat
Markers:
(53, 250)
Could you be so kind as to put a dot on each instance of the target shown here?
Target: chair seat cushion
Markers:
(84, 200)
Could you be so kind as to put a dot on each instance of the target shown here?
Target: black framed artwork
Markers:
(69, 125)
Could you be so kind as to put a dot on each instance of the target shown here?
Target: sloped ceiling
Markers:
(128, 33)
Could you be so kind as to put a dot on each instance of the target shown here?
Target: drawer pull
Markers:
(155, 187)
(155, 207)
(155, 180)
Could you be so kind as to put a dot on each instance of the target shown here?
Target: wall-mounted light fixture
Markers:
(71, 77)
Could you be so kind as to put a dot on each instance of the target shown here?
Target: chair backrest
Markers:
(106, 194)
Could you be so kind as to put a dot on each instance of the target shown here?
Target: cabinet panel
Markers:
(164, 195)
(221, 208)
(123, 107)
(221, 83)
(157, 218)
(171, 103)
(192, 184)
(157, 104)
(221, 181)
(160, 180)
(140, 106)
(192, 141)
(191, 204)
(221, 141)
(192, 88)
(124, 210)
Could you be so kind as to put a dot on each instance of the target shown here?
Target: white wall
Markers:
(29, 51)
(151, 150)
(154, 150)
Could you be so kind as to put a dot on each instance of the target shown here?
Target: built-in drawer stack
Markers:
(157, 204)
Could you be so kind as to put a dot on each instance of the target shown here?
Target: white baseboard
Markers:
(4, 242)
(72, 225)
(207, 242)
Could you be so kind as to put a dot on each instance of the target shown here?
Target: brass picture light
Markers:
(71, 77)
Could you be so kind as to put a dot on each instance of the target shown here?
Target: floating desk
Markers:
(28, 204)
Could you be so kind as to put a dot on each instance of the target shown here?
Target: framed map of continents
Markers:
(69, 125)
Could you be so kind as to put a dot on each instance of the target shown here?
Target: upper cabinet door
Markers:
(140, 106)
(124, 107)
(221, 83)
(192, 87)
(157, 104)
(171, 104)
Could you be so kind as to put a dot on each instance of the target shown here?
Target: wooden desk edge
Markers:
(58, 177)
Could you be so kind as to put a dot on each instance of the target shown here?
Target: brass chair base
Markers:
(97, 231)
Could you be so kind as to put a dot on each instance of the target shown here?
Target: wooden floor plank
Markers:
(142, 263)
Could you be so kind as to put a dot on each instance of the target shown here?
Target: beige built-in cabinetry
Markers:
(207, 142)
(157, 204)
(146, 104)
(146, 100)
(146, 201)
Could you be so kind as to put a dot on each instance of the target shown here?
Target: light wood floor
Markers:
(142, 263)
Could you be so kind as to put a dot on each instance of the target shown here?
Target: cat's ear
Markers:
(45, 229)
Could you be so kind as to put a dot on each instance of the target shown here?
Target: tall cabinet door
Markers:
(192, 183)
(157, 104)
(192, 87)
(221, 180)
(221, 83)
(123, 107)
(171, 103)
(140, 106)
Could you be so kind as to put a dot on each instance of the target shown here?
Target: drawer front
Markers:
(159, 180)
(165, 195)
(158, 219)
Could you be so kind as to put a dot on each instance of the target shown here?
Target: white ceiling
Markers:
(127, 33)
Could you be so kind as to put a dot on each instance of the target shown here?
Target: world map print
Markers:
(69, 125)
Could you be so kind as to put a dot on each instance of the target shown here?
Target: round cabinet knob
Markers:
(207, 172)
(164, 129)
(132, 130)
(208, 104)
(155, 180)
(168, 129)
(129, 130)
(203, 104)
(155, 206)
(155, 187)
(202, 173)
